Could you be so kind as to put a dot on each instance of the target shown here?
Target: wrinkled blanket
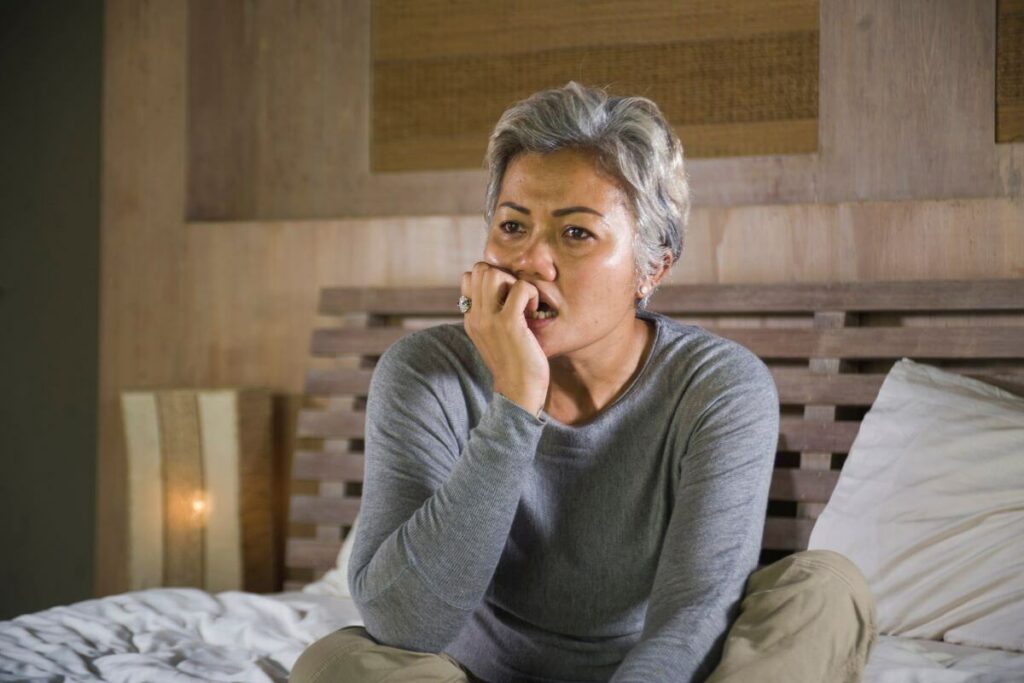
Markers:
(170, 634)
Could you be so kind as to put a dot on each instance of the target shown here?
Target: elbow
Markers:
(398, 630)
(406, 616)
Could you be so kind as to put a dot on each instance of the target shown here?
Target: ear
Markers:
(652, 282)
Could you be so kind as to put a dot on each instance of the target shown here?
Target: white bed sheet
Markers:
(187, 635)
(176, 635)
(909, 660)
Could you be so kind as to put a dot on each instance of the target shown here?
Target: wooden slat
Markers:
(796, 434)
(357, 341)
(323, 509)
(802, 485)
(780, 533)
(796, 387)
(328, 466)
(822, 460)
(881, 342)
(309, 552)
(335, 424)
(786, 533)
(390, 300)
(856, 343)
(800, 387)
(916, 295)
(935, 295)
(804, 387)
(338, 381)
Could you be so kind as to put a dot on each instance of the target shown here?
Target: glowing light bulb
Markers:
(200, 508)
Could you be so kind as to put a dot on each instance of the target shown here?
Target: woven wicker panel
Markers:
(828, 346)
(1010, 71)
(734, 77)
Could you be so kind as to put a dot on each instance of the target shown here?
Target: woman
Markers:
(568, 487)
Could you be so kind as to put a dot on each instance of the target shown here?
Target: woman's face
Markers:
(567, 229)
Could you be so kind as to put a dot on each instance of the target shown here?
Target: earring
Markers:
(643, 291)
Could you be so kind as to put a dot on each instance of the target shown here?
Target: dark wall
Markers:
(50, 85)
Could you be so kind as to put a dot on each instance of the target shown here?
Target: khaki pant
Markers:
(808, 618)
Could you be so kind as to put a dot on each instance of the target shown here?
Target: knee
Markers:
(829, 567)
(839, 565)
(302, 671)
(325, 653)
(310, 661)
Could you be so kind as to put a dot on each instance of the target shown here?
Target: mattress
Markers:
(183, 635)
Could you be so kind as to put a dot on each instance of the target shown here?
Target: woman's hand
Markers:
(496, 323)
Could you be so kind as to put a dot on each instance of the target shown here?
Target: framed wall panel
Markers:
(1010, 71)
(735, 77)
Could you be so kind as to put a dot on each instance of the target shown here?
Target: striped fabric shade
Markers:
(200, 489)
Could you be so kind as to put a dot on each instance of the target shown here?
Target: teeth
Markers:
(542, 315)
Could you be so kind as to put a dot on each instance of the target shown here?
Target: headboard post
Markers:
(818, 460)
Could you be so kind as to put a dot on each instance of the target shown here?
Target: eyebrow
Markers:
(557, 212)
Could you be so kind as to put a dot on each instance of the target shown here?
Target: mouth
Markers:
(544, 311)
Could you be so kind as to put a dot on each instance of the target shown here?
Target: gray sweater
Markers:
(530, 550)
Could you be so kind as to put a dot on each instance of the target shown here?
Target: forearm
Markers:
(688, 644)
(428, 575)
(714, 537)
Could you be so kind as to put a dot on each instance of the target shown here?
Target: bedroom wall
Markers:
(51, 57)
(907, 183)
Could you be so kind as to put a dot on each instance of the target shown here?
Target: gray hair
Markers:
(632, 142)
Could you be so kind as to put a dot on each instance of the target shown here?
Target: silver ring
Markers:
(465, 303)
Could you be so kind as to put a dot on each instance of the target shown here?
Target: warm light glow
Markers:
(200, 507)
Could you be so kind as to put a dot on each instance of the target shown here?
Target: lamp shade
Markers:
(200, 488)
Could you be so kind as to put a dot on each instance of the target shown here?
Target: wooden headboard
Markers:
(829, 347)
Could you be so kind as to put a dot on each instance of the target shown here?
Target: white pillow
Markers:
(930, 506)
(335, 581)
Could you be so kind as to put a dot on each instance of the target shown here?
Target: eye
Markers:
(509, 231)
(579, 234)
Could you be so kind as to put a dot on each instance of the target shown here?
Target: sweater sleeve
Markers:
(714, 533)
(433, 521)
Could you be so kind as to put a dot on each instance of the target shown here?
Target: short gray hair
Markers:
(632, 142)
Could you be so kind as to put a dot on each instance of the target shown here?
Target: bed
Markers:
(832, 349)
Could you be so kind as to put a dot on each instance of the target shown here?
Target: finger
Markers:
(475, 291)
(466, 285)
(523, 297)
(502, 289)
(495, 285)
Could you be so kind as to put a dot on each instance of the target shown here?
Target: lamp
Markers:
(200, 489)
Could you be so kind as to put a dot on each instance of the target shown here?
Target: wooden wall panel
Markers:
(275, 107)
(142, 318)
(907, 98)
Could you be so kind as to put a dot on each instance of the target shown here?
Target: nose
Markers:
(534, 259)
